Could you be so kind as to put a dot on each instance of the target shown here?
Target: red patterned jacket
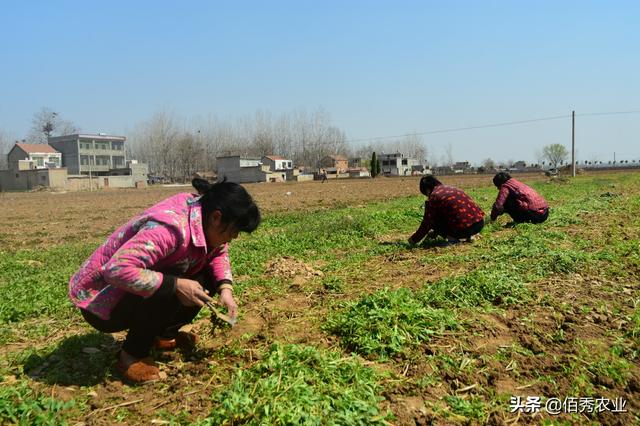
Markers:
(449, 208)
(526, 199)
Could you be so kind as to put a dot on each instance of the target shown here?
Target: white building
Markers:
(397, 164)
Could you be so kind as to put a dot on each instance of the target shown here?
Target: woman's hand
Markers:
(226, 298)
(191, 293)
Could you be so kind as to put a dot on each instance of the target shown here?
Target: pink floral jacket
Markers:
(167, 239)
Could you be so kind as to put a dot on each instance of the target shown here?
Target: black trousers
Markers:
(521, 216)
(145, 319)
(467, 232)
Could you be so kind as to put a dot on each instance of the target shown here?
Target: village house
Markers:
(101, 158)
(31, 166)
(26, 156)
(334, 164)
(73, 162)
(396, 164)
(269, 168)
(462, 167)
(85, 154)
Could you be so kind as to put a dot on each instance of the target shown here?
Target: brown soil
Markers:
(40, 219)
(526, 337)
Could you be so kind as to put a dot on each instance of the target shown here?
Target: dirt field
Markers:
(572, 330)
(42, 219)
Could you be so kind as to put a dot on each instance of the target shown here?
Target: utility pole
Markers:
(573, 143)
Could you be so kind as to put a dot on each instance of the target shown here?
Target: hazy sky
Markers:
(379, 68)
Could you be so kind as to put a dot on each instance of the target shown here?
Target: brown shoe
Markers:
(141, 371)
(183, 340)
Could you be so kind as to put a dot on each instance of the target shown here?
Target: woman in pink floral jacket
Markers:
(154, 273)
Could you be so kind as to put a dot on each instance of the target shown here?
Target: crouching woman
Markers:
(448, 213)
(154, 273)
(518, 200)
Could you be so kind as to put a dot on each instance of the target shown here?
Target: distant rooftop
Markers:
(33, 148)
(274, 157)
(86, 136)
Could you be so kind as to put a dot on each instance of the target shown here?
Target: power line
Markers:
(609, 113)
(484, 126)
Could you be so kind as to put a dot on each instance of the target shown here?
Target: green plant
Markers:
(19, 404)
(300, 385)
(387, 323)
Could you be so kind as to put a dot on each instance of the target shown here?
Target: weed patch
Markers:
(21, 405)
(300, 385)
(387, 323)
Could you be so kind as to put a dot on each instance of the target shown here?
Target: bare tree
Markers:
(449, 154)
(489, 165)
(47, 123)
(155, 143)
(413, 146)
(190, 155)
(555, 153)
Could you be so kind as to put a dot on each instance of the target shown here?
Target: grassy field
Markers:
(343, 323)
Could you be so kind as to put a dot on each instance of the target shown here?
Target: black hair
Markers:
(501, 178)
(201, 185)
(231, 200)
(427, 183)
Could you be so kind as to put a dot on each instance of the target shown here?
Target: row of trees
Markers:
(176, 149)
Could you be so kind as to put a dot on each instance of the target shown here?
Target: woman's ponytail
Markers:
(201, 185)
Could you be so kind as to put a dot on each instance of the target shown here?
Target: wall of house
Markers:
(70, 157)
(252, 174)
(139, 173)
(227, 166)
(14, 157)
(82, 183)
(13, 180)
(303, 178)
(115, 181)
(267, 161)
(342, 166)
(57, 178)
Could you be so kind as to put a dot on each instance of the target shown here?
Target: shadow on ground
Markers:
(83, 360)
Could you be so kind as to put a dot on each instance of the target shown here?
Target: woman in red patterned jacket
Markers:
(152, 274)
(448, 212)
(518, 200)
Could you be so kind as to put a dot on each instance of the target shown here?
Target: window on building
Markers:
(38, 160)
(404, 161)
(118, 161)
(117, 146)
(103, 160)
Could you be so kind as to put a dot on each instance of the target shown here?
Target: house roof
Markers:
(99, 136)
(32, 148)
(274, 157)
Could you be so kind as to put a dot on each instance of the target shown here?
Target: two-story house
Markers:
(396, 164)
(86, 154)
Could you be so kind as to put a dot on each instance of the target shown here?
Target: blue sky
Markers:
(379, 68)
